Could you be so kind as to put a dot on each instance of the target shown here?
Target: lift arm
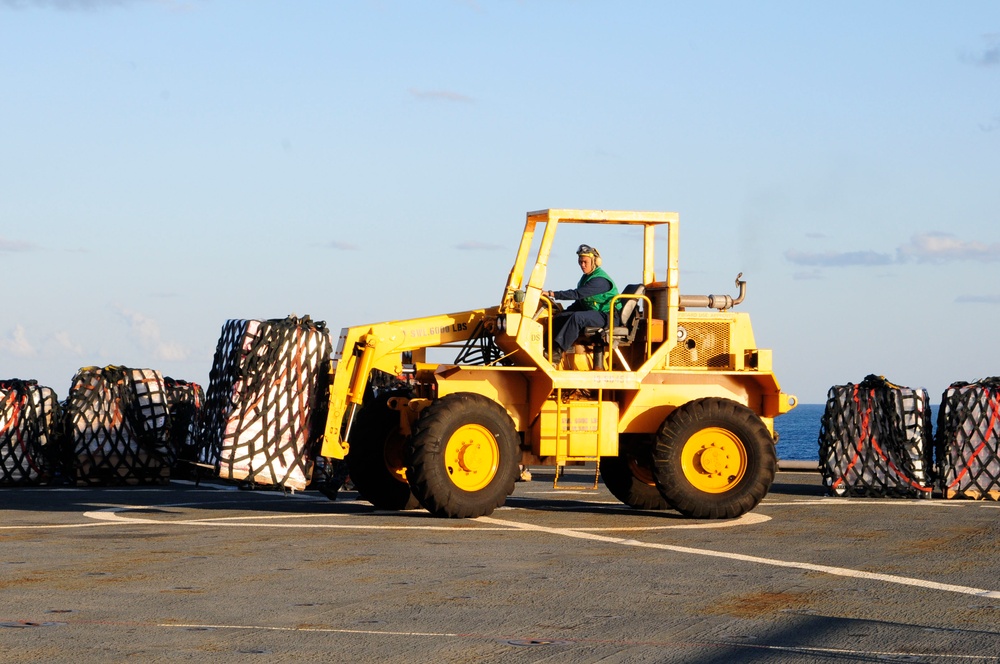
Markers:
(380, 346)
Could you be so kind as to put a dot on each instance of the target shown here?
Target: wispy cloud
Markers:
(65, 342)
(936, 247)
(89, 5)
(440, 95)
(978, 299)
(989, 55)
(931, 247)
(838, 259)
(145, 332)
(66, 5)
(340, 245)
(476, 245)
(15, 342)
(16, 246)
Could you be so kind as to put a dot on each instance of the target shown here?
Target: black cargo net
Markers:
(29, 415)
(968, 438)
(116, 424)
(187, 401)
(875, 440)
(266, 403)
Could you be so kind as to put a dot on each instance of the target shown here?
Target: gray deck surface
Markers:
(212, 573)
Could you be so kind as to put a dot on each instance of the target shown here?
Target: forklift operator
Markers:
(591, 302)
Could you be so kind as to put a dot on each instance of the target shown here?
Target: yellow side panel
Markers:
(588, 429)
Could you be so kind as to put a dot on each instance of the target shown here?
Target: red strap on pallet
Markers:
(995, 406)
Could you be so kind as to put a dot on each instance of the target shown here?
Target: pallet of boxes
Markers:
(968, 440)
(876, 441)
(119, 425)
(29, 418)
(265, 407)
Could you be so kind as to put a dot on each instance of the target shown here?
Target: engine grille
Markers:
(707, 345)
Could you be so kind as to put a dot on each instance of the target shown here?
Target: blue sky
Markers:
(168, 165)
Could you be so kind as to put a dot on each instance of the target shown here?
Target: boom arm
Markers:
(365, 348)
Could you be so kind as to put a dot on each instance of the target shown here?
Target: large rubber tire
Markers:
(629, 477)
(714, 459)
(463, 456)
(376, 457)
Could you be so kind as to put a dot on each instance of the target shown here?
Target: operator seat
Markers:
(621, 334)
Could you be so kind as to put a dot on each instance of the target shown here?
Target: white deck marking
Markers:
(826, 569)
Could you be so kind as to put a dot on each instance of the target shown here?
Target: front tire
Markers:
(714, 459)
(375, 460)
(463, 456)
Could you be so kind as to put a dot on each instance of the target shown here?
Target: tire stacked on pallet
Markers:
(116, 423)
(187, 402)
(875, 440)
(29, 414)
(265, 406)
(968, 440)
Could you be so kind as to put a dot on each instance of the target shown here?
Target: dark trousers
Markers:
(566, 325)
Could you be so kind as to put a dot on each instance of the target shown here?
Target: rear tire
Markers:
(714, 459)
(463, 456)
(629, 477)
(376, 457)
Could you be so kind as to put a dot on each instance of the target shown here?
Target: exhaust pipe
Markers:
(720, 302)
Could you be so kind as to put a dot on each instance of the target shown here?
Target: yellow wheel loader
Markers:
(672, 404)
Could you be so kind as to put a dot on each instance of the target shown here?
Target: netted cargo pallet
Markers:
(116, 424)
(186, 401)
(265, 406)
(29, 415)
(875, 440)
(968, 440)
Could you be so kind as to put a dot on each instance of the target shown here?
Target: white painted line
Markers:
(867, 654)
(54, 526)
(333, 630)
(826, 569)
(112, 516)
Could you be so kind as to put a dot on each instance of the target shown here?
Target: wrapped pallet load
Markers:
(186, 402)
(875, 440)
(29, 414)
(968, 440)
(116, 424)
(265, 406)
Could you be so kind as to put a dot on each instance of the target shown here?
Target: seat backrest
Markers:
(631, 305)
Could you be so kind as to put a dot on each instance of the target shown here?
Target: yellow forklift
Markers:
(672, 403)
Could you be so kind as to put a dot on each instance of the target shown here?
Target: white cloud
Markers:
(838, 258)
(14, 246)
(145, 332)
(16, 343)
(978, 299)
(936, 247)
(440, 95)
(64, 342)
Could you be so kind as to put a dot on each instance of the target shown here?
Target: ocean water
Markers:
(798, 431)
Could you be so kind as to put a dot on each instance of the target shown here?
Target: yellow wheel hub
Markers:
(472, 457)
(714, 460)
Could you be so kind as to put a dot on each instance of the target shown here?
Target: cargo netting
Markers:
(29, 415)
(187, 402)
(265, 408)
(875, 440)
(968, 440)
(116, 423)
